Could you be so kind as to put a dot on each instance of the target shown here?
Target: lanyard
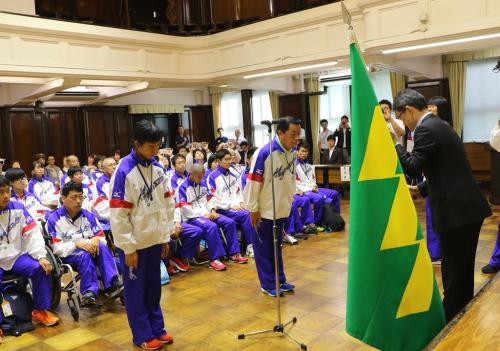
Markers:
(305, 171)
(148, 187)
(197, 196)
(74, 225)
(7, 232)
(227, 184)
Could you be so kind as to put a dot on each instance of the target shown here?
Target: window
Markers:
(481, 106)
(335, 103)
(261, 111)
(231, 114)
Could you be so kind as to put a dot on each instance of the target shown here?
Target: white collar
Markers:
(422, 118)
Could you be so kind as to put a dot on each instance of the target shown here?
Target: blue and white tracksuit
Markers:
(258, 198)
(21, 246)
(306, 182)
(101, 204)
(45, 190)
(195, 201)
(226, 191)
(141, 216)
(66, 232)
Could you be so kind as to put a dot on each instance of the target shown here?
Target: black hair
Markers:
(251, 151)
(71, 186)
(284, 123)
(35, 164)
(410, 97)
(304, 145)
(175, 158)
(243, 143)
(443, 107)
(211, 160)
(13, 174)
(385, 102)
(344, 116)
(330, 137)
(219, 155)
(203, 152)
(323, 120)
(4, 181)
(220, 129)
(73, 170)
(147, 131)
(39, 156)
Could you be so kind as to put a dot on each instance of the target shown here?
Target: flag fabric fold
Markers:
(393, 302)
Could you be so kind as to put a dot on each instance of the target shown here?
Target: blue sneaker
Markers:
(271, 292)
(287, 287)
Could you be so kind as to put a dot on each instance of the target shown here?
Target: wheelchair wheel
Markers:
(75, 312)
(55, 280)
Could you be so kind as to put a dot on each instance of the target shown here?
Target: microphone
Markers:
(269, 123)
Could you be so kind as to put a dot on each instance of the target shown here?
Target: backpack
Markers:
(331, 218)
(21, 304)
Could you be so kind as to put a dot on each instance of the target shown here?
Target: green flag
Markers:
(393, 301)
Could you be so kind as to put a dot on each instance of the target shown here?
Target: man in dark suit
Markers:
(332, 155)
(457, 205)
(343, 135)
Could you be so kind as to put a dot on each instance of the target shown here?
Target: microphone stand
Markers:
(279, 327)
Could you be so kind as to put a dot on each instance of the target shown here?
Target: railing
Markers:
(173, 17)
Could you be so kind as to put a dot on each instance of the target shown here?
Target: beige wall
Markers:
(26, 7)
(40, 47)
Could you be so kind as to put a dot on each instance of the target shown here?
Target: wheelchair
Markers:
(74, 298)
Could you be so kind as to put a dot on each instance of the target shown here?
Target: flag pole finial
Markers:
(348, 20)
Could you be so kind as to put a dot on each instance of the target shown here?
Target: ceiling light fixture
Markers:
(289, 70)
(442, 43)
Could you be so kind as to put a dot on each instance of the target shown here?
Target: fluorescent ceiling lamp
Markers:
(106, 83)
(78, 89)
(24, 80)
(289, 70)
(442, 43)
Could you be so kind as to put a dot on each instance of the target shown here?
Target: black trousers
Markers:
(458, 249)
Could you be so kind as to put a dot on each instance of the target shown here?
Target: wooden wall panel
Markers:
(123, 131)
(63, 132)
(202, 123)
(246, 102)
(24, 136)
(99, 131)
(255, 8)
(224, 10)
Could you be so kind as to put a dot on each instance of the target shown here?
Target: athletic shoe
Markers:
(171, 270)
(177, 263)
(238, 259)
(271, 292)
(436, 262)
(249, 251)
(300, 236)
(115, 289)
(310, 229)
(287, 287)
(89, 299)
(165, 339)
(489, 269)
(287, 238)
(1, 335)
(44, 317)
(152, 344)
(217, 265)
(320, 228)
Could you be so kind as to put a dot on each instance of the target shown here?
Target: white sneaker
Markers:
(287, 238)
(249, 251)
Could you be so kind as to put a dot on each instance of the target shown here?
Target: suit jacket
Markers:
(335, 159)
(438, 152)
(339, 134)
